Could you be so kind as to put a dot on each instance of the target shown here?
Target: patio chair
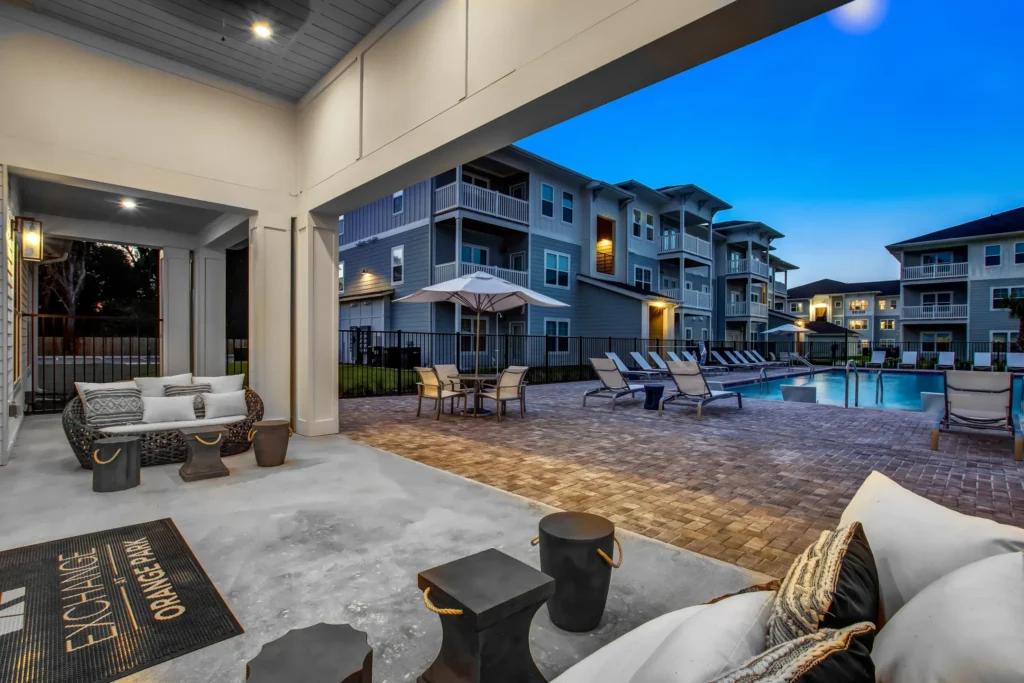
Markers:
(982, 361)
(613, 382)
(691, 386)
(644, 365)
(877, 359)
(509, 387)
(909, 359)
(979, 402)
(449, 376)
(723, 362)
(430, 386)
(1014, 362)
(740, 360)
(947, 361)
(642, 374)
(689, 357)
(658, 360)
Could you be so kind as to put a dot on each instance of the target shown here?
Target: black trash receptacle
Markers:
(569, 545)
(652, 395)
(116, 464)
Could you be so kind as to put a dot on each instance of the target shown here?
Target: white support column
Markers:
(175, 311)
(270, 306)
(211, 312)
(316, 326)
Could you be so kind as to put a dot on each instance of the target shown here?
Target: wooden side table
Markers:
(324, 653)
(486, 603)
(203, 460)
(270, 441)
(116, 464)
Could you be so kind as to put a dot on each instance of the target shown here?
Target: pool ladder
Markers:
(879, 386)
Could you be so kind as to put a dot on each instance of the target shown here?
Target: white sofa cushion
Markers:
(219, 405)
(719, 639)
(916, 541)
(154, 386)
(158, 409)
(617, 661)
(167, 426)
(222, 384)
(967, 627)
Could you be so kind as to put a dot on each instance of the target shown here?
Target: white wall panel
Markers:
(329, 129)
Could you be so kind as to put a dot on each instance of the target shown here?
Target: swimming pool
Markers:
(902, 389)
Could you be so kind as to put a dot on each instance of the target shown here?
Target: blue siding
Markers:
(644, 262)
(570, 296)
(982, 318)
(603, 313)
(376, 217)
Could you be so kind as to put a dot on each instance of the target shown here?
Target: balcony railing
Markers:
(747, 265)
(484, 201)
(606, 263)
(674, 241)
(747, 309)
(670, 292)
(943, 312)
(780, 288)
(446, 271)
(694, 299)
(935, 271)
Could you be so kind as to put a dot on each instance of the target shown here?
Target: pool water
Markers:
(902, 389)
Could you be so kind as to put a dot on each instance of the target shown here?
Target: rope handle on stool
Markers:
(210, 443)
(535, 540)
(604, 556)
(96, 457)
(439, 610)
(251, 434)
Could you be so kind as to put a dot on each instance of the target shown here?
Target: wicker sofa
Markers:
(159, 447)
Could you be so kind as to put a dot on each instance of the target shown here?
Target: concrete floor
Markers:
(336, 535)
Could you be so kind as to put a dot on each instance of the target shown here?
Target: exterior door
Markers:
(517, 343)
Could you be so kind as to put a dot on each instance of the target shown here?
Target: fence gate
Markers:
(64, 349)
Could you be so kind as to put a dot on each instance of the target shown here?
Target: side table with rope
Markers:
(116, 464)
(203, 460)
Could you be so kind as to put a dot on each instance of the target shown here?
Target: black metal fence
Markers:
(237, 358)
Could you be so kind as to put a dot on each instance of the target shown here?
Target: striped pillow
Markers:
(190, 390)
(111, 407)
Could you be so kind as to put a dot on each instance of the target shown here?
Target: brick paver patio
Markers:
(751, 487)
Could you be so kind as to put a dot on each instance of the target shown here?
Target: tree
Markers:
(64, 281)
(1015, 308)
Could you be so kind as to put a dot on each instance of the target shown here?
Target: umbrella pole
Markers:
(476, 366)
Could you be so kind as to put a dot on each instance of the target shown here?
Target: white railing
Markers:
(747, 265)
(485, 201)
(446, 271)
(694, 299)
(747, 309)
(674, 241)
(670, 292)
(935, 271)
(780, 288)
(943, 312)
(758, 267)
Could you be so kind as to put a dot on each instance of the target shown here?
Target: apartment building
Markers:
(871, 311)
(631, 260)
(952, 280)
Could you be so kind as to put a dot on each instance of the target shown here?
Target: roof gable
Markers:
(997, 224)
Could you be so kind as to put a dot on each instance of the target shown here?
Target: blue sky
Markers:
(844, 141)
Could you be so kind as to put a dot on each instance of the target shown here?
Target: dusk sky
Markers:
(846, 133)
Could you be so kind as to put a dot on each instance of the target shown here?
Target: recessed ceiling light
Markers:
(262, 29)
(127, 203)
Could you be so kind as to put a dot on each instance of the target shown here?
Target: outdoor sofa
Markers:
(160, 442)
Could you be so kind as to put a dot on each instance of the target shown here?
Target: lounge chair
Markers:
(658, 360)
(430, 386)
(642, 374)
(909, 359)
(982, 361)
(691, 386)
(741, 360)
(979, 402)
(644, 365)
(723, 362)
(947, 361)
(613, 382)
(877, 359)
(689, 357)
(1014, 362)
(508, 388)
(754, 355)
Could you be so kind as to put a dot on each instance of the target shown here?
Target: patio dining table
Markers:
(477, 379)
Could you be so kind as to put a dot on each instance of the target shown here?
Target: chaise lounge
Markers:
(692, 387)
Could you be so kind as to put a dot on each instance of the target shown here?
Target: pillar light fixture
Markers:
(31, 238)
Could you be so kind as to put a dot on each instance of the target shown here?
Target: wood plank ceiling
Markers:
(310, 36)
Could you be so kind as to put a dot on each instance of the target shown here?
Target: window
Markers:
(893, 303)
(993, 255)
(642, 277)
(567, 207)
(837, 304)
(474, 254)
(547, 201)
(341, 224)
(467, 340)
(887, 324)
(557, 332)
(638, 229)
(517, 261)
(704, 288)
(688, 333)
(474, 179)
(1018, 253)
(999, 293)
(795, 307)
(886, 343)
(860, 305)
(838, 321)
(939, 257)
(704, 334)
(859, 324)
(930, 299)
(1002, 339)
(341, 277)
(935, 341)
(673, 283)
(397, 265)
(398, 202)
(556, 269)
(650, 227)
(881, 304)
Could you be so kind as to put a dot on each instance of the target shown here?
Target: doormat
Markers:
(98, 607)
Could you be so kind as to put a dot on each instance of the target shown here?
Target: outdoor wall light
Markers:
(364, 271)
(262, 29)
(31, 238)
(128, 204)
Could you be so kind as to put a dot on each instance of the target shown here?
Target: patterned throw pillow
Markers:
(827, 656)
(112, 407)
(191, 390)
(833, 584)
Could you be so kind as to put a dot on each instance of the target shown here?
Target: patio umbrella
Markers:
(788, 328)
(482, 293)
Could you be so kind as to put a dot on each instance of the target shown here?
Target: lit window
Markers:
(881, 304)
(398, 265)
(892, 304)
(887, 324)
(557, 332)
(650, 228)
(993, 255)
(839, 304)
(547, 201)
(556, 269)
(642, 278)
(341, 277)
(859, 324)
(398, 202)
(567, 205)
(638, 228)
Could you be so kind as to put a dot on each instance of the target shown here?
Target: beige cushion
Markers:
(156, 409)
(154, 386)
(231, 403)
(223, 384)
(167, 426)
(916, 541)
(967, 627)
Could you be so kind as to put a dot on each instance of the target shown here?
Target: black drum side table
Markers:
(116, 464)
(652, 395)
(576, 549)
(270, 441)
(325, 653)
(486, 603)
(203, 460)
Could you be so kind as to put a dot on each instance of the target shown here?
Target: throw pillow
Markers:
(916, 541)
(154, 386)
(225, 405)
(110, 407)
(167, 409)
(80, 387)
(966, 627)
(828, 656)
(716, 640)
(222, 384)
(832, 584)
(193, 390)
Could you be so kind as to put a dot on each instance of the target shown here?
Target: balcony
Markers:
(943, 312)
(934, 271)
(695, 299)
(482, 201)
(780, 288)
(446, 271)
(674, 241)
(746, 309)
(746, 265)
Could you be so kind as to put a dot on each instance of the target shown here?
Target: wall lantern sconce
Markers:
(31, 238)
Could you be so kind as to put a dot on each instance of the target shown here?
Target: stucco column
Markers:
(270, 312)
(316, 326)
(175, 311)
(211, 312)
